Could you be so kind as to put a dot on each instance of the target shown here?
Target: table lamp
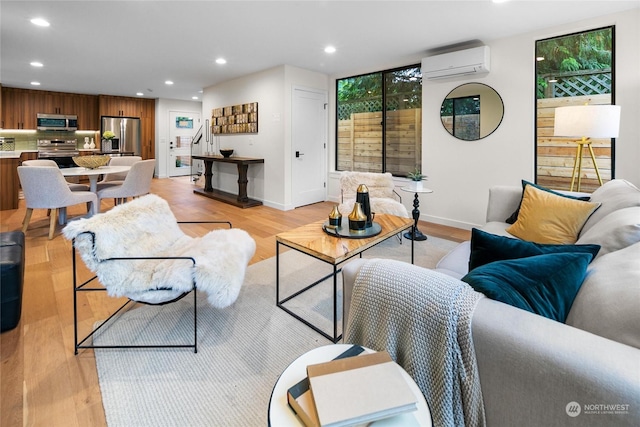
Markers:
(586, 121)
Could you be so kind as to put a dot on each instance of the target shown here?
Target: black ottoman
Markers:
(11, 278)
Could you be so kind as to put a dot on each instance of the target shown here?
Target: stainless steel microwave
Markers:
(56, 122)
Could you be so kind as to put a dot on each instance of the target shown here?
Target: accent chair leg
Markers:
(52, 222)
(27, 218)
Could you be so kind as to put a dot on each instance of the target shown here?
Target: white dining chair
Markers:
(111, 179)
(45, 188)
(136, 183)
(46, 162)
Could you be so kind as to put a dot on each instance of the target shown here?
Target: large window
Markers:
(575, 69)
(379, 118)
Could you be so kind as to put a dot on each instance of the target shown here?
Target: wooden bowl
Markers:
(91, 162)
(226, 152)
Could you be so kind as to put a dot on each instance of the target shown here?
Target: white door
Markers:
(309, 144)
(182, 128)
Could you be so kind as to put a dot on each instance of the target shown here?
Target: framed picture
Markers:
(234, 119)
(184, 123)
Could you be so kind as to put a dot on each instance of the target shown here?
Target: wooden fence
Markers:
(556, 155)
(360, 141)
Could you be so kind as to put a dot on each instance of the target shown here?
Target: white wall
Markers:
(163, 124)
(272, 90)
(461, 173)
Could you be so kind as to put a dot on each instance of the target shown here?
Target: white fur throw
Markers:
(379, 184)
(146, 227)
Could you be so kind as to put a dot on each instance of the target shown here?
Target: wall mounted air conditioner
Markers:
(474, 61)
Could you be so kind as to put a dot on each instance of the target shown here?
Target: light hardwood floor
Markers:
(42, 382)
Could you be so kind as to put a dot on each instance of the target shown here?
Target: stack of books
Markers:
(352, 389)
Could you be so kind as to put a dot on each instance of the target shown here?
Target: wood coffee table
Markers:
(312, 240)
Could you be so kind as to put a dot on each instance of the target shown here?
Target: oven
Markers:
(61, 151)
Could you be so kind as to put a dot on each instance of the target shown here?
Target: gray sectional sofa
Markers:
(535, 371)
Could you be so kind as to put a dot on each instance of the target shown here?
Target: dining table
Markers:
(93, 174)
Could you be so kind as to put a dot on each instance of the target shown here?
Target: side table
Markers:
(415, 234)
(280, 414)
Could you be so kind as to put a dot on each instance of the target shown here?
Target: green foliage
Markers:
(569, 64)
(416, 175)
(590, 50)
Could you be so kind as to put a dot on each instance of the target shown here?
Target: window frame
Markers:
(535, 91)
(383, 86)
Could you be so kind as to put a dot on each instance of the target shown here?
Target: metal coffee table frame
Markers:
(280, 302)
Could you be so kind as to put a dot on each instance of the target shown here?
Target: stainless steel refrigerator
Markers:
(127, 134)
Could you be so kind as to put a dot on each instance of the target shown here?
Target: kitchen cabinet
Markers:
(87, 111)
(83, 106)
(18, 109)
(9, 179)
(123, 106)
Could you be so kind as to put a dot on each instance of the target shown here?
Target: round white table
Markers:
(280, 414)
(417, 235)
(93, 174)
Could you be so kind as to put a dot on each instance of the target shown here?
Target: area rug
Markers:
(241, 349)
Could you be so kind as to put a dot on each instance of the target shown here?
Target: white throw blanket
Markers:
(423, 319)
(146, 227)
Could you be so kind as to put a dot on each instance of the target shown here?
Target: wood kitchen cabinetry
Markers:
(20, 107)
(142, 108)
(84, 106)
(10, 184)
(124, 106)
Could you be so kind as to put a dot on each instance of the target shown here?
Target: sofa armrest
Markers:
(349, 273)
(531, 368)
(503, 201)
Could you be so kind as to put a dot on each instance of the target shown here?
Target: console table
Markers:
(241, 199)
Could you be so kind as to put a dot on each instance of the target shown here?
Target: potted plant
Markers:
(417, 177)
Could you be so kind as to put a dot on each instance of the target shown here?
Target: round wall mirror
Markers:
(472, 111)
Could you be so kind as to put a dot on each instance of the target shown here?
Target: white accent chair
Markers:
(138, 251)
(51, 163)
(44, 187)
(136, 183)
(383, 197)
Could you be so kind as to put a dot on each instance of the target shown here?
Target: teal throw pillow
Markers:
(487, 247)
(542, 284)
(514, 216)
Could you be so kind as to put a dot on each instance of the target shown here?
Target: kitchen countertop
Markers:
(14, 154)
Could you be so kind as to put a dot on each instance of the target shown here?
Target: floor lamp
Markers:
(586, 121)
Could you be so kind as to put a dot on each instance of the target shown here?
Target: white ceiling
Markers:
(125, 47)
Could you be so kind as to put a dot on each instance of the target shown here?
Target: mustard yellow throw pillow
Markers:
(547, 218)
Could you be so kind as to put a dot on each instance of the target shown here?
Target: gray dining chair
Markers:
(136, 183)
(45, 188)
(112, 179)
(46, 162)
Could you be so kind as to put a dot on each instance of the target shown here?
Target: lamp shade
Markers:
(593, 121)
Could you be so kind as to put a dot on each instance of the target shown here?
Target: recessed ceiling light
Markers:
(40, 22)
(35, 83)
(168, 82)
(37, 64)
(330, 49)
(221, 61)
(194, 97)
(139, 93)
